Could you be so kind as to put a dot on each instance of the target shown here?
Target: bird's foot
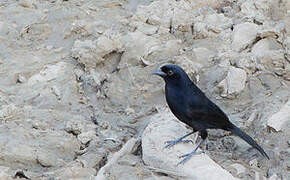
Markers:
(186, 157)
(173, 142)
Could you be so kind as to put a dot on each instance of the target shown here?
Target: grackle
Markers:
(190, 105)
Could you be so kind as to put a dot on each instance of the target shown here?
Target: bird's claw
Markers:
(170, 143)
(187, 141)
(186, 157)
(173, 142)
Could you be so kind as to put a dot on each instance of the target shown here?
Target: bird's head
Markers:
(171, 73)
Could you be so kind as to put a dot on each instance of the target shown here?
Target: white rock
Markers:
(253, 163)
(278, 119)
(90, 53)
(203, 53)
(239, 168)
(8, 112)
(105, 45)
(144, 27)
(27, 3)
(274, 177)
(4, 175)
(89, 44)
(171, 48)
(246, 61)
(46, 158)
(75, 171)
(192, 68)
(260, 47)
(218, 22)
(48, 73)
(264, 45)
(86, 136)
(236, 80)
(179, 13)
(244, 34)
(164, 12)
(49, 148)
(249, 10)
(268, 51)
(210, 23)
(137, 45)
(234, 83)
(55, 90)
(164, 127)
(21, 78)
(272, 29)
(76, 126)
(84, 52)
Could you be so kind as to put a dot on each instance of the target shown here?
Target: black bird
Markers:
(190, 105)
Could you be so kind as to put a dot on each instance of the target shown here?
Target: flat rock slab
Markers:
(279, 119)
(163, 127)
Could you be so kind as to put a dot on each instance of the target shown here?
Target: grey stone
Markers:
(234, 83)
(166, 127)
(244, 35)
(279, 119)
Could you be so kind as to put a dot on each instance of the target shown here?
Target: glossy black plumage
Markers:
(190, 105)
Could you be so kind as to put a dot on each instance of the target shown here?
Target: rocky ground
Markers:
(77, 100)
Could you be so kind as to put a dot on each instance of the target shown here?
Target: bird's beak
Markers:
(159, 72)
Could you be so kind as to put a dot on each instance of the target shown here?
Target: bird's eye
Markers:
(170, 72)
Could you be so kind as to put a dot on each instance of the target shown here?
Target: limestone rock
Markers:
(74, 171)
(79, 125)
(48, 73)
(164, 127)
(191, 68)
(83, 51)
(27, 3)
(4, 173)
(244, 35)
(239, 168)
(49, 148)
(249, 10)
(94, 157)
(203, 54)
(234, 83)
(86, 136)
(165, 12)
(272, 29)
(265, 45)
(46, 158)
(8, 112)
(279, 119)
(138, 45)
(210, 23)
(178, 14)
(7, 30)
(91, 53)
(144, 27)
(269, 52)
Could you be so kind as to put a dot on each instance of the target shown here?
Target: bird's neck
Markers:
(179, 83)
(183, 85)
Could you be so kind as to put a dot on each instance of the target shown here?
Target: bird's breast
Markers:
(176, 100)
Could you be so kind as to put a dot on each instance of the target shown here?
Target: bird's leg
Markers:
(179, 140)
(203, 134)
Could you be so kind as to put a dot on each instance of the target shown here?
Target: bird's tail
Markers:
(237, 131)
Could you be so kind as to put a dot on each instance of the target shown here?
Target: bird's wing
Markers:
(204, 111)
